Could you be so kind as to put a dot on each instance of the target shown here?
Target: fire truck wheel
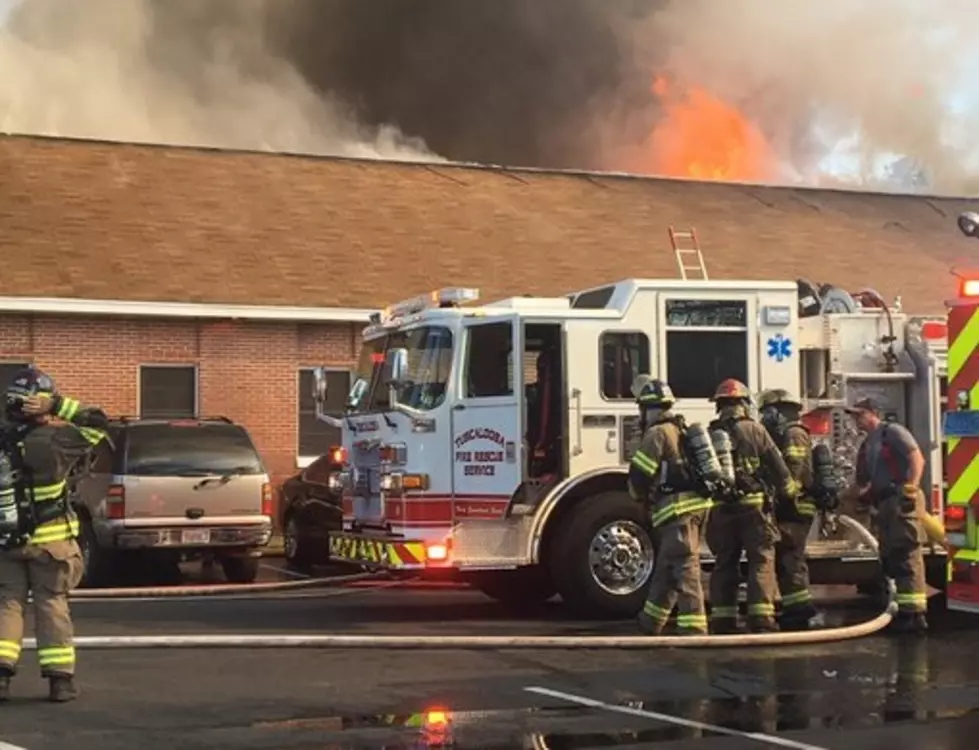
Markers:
(601, 558)
(518, 589)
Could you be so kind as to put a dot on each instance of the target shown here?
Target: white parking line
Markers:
(283, 571)
(581, 700)
(8, 746)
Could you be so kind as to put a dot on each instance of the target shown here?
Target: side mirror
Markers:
(969, 224)
(397, 366)
(320, 386)
(357, 392)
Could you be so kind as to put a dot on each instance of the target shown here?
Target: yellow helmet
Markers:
(778, 397)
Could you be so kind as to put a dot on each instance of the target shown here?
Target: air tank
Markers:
(725, 453)
(823, 470)
(702, 454)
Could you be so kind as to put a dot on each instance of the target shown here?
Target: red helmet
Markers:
(732, 389)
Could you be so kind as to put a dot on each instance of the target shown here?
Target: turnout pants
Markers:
(676, 577)
(732, 529)
(901, 555)
(792, 570)
(49, 571)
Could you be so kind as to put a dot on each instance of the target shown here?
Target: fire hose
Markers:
(221, 589)
(471, 642)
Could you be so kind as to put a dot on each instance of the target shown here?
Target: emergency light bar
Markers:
(446, 297)
(969, 288)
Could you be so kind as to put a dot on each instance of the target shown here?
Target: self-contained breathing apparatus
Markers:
(20, 512)
(697, 468)
(744, 482)
(823, 488)
(20, 515)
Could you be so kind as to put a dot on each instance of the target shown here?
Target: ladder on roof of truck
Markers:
(682, 253)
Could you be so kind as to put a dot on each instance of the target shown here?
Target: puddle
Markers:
(506, 729)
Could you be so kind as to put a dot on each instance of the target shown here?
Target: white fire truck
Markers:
(492, 441)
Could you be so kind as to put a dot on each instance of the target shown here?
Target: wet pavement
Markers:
(874, 693)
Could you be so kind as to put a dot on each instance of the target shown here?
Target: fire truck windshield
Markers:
(429, 366)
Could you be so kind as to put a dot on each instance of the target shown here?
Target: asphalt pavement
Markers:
(878, 692)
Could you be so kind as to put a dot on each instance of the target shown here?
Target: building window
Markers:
(624, 356)
(167, 391)
(706, 342)
(316, 436)
(489, 361)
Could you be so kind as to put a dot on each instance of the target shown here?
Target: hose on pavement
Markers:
(472, 642)
(223, 589)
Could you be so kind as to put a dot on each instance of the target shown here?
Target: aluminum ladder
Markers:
(682, 253)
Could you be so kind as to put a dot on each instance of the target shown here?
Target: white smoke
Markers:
(85, 69)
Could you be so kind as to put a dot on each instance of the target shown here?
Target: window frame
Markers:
(601, 360)
(303, 462)
(516, 344)
(168, 366)
(750, 303)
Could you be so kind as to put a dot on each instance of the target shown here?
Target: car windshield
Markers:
(429, 365)
(190, 450)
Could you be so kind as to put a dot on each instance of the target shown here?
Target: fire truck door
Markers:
(487, 420)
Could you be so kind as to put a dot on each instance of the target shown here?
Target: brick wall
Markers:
(246, 371)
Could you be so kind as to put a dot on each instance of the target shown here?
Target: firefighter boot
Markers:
(762, 625)
(5, 677)
(63, 688)
(909, 623)
(802, 617)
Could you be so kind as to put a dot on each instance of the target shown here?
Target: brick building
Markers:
(150, 279)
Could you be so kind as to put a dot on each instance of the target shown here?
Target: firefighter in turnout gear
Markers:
(742, 520)
(780, 414)
(38, 529)
(661, 477)
(889, 470)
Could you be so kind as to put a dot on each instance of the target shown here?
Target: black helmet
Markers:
(26, 383)
(650, 391)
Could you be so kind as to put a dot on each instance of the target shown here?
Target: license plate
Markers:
(352, 549)
(195, 536)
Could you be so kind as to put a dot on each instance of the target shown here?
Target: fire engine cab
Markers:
(492, 440)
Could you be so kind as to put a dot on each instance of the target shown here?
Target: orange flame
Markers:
(703, 137)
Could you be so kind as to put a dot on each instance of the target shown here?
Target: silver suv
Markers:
(183, 489)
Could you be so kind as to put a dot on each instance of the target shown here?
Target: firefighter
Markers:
(38, 551)
(661, 478)
(780, 414)
(888, 481)
(741, 521)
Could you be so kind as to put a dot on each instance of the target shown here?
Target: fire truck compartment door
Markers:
(487, 420)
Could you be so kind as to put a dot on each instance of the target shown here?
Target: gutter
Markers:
(119, 308)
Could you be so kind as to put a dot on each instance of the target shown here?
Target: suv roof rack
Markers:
(125, 419)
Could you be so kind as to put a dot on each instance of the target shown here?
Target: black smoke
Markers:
(497, 81)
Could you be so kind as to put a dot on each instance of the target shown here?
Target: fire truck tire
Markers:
(571, 556)
(517, 589)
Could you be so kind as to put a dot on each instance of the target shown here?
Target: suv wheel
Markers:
(295, 546)
(240, 569)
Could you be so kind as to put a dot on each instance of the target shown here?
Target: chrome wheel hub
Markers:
(621, 558)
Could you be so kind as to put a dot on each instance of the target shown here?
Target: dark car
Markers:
(311, 508)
